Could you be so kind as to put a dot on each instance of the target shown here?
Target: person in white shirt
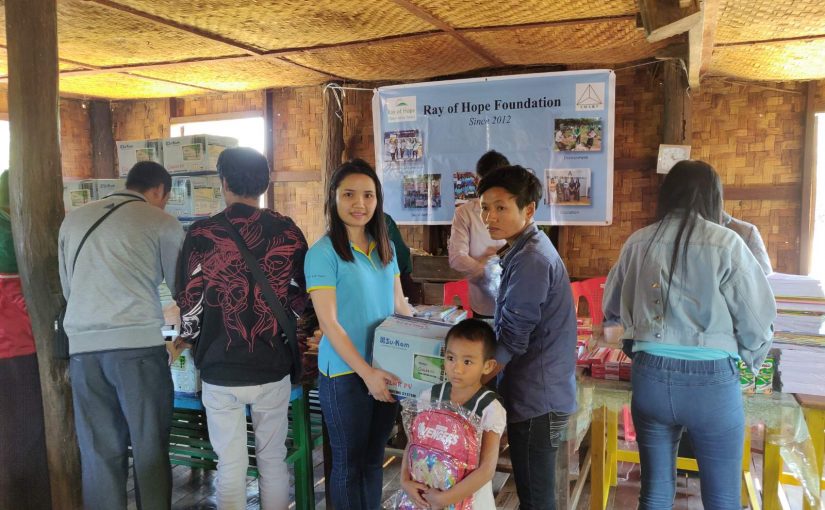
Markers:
(472, 251)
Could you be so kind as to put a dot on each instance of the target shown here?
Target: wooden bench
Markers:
(190, 446)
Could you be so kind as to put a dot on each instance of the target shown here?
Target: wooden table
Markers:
(786, 438)
(813, 408)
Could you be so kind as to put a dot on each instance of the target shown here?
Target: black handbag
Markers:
(287, 322)
(60, 343)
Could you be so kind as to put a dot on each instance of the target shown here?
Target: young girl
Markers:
(692, 300)
(353, 279)
(469, 351)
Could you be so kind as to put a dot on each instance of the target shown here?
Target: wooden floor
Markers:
(193, 489)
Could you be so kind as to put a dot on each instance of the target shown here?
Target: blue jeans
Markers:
(702, 398)
(534, 444)
(359, 427)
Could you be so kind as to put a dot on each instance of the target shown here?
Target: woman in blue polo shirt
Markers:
(353, 278)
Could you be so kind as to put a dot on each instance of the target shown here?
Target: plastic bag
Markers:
(444, 446)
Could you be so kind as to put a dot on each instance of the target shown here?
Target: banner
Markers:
(428, 137)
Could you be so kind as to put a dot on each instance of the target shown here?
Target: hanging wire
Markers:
(339, 93)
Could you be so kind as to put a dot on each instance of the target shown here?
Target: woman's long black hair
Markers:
(692, 190)
(376, 227)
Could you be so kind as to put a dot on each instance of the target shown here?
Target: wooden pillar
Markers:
(269, 144)
(808, 182)
(332, 138)
(103, 140)
(36, 212)
(677, 127)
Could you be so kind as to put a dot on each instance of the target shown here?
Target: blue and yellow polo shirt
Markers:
(364, 297)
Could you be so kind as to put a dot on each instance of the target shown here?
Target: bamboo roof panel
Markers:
(405, 60)
(278, 24)
(123, 86)
(609, 42)
(255, 74)
(472, 13)
(771, 62)
(769, 19)
(98, 36)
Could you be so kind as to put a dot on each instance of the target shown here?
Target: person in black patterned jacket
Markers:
(233, 333)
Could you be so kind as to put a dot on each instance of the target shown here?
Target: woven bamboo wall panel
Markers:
(751, 135)
(471, 13)
(140, 120)
(819, 98)
(358, 135)
(595, 43)
(75, 139)
(221, 103)
(768, 19)
(304, 203)
(436, 55)
(239, 75)
(288, 23)
(592, 251)
(99, 36)
(297, 130)
(777, 61)
(122, 86)
(298, 125)
(778, 222)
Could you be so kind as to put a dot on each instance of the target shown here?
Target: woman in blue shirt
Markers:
(692, 300)
(353, 278)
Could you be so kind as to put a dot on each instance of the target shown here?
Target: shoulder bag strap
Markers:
(287, 324)
(97, 224)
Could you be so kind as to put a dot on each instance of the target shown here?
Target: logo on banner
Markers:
(401, 109)
(589, 96)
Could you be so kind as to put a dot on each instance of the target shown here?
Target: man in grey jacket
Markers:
(121, 384)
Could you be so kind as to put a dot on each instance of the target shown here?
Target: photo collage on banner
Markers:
(559, 125)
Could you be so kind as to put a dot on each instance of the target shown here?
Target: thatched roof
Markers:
(125, 49)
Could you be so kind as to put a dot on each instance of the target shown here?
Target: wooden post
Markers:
(36, 212)
(269, 144)
(332, 150)
(332, 137)
(103, 140)
(808, 182)
(676, 126)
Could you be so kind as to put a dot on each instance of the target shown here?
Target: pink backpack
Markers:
(444, 445)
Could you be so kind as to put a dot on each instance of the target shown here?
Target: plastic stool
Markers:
(593, 290)
(460, 289)
(576, 288)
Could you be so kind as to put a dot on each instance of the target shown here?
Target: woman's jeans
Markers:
(359, 427)
(704, 399)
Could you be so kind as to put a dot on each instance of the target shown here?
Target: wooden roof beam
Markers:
(665, 18)
(474, 47)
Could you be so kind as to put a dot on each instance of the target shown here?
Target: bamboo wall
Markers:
(75, 137)
(298, 124)
(752, 134)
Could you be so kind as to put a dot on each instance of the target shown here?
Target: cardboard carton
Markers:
(196, 153)
(131, 151)
(195, 196)
(413, 350)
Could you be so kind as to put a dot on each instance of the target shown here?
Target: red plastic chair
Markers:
(593, 290)
(460, 290)
(576, 287)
